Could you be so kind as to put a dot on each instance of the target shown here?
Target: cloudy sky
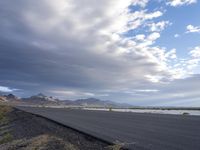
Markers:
(132, 51)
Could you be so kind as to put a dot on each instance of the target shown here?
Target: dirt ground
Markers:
(23, 131)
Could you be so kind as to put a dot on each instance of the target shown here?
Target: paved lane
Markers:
(138, 131)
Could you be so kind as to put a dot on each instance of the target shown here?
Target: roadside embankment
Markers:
(24, 131)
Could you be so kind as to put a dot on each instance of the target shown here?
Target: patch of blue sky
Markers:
(133, 8)
(180, 17)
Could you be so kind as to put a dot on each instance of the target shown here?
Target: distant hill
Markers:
(41, 99)
(10, 98)
(3, 99)
(93, 102)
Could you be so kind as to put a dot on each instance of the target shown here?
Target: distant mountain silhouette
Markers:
(3, 99)
(41, 99)
(93, 102)
(10, 98)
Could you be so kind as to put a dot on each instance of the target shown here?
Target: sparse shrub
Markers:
(114, 147)
(3, 111)
(6, 138)
(186, 113)
(110, 109)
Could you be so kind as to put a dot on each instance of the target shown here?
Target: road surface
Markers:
(137, 131)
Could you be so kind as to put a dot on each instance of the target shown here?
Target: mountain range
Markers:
(43, 100)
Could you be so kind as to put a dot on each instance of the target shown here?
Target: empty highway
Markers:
(137, 131)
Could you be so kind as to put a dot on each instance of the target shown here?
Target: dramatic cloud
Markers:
(176, 3)
(86, 48)
(74, 44)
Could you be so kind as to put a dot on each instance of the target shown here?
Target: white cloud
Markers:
(195, 53)
(155, 14)
(192, 29)
(184, 67)
(154, 79)
(141, 3)
(176, 3)
(159, 26)
(137, 18)
(71, 94)
(194, 61)
(75, 94)
(6, 89)
(176, 35)
(153, 36)
(171, 54)
(140, 37)
(147, 90)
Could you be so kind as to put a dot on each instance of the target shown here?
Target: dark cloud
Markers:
(71, 49)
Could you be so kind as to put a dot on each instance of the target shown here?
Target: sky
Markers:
(142, 52)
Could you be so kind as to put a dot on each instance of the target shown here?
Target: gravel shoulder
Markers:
(25, 131)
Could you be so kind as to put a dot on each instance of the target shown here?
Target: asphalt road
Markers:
(138, 131)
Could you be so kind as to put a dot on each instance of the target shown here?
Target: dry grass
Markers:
(41, 142)
(115, 147)
(3, 112)
(6, 138)
(50, 142)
